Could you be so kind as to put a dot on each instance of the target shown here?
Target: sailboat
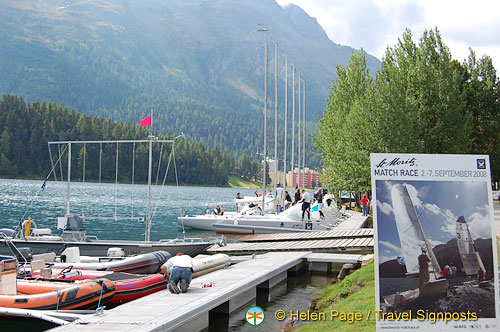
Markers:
(73, 233)
(413, 239)
(468, 252)
(262, 218)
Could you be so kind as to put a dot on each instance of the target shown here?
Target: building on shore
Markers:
(308, 179)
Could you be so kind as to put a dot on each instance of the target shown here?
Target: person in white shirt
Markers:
(280, 195)
(306, 204)
(182, 273)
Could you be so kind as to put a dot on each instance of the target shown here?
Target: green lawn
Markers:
(355, 294)
(236, 182)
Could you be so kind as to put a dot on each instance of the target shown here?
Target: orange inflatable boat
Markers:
(41, 295)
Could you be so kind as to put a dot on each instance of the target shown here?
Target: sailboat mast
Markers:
(292, 177)
(69, 180)
(300, 134)
(265, 123)
(304, 140)
(275, 115)
(286, 121)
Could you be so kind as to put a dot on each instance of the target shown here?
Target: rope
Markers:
(83, 180)
(159, 164)
(58, 298)
(52, 163)
(116, 179)
(133, 173)
(60, 165)
(100, 295)
(100, 174)
(41, 188)
(163, 183)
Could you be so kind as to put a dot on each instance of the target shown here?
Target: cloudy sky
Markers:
(438, 205)
(375, 24)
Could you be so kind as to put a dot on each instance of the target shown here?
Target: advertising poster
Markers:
(435, 244)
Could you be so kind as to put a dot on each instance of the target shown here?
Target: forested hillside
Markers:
(198, 64)
(25, 130)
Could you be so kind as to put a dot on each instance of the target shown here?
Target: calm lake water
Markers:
(101, 203)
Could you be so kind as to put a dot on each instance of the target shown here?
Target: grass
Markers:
(236, 182)
(356, 293)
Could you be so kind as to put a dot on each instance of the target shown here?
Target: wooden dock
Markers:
(362, 245)
(235, 287)
(322, 235)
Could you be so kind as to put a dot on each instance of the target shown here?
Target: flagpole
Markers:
(151, 122)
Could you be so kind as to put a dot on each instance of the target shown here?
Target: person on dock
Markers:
(296, 195)
(319, 199)
(280, 195)
(306, 204)
(238, 196)
(329, 198)
(218, 211)
(423, 267)
(364, 205)
(181, 275)
(288, 200)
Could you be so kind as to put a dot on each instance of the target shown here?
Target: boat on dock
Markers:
(289, 220)
(130, 286)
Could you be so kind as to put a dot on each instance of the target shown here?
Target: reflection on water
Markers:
(107, 201)
(293, 294)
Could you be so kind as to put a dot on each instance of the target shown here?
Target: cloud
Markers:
(384, 207)
(432, 208)
(383, 258)
(391, 246)
(480, 223)
(376, 24)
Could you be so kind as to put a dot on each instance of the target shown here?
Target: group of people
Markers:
(284, 201)
(447, 272)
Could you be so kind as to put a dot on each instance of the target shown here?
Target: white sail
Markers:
(411, 233)
(467, 249)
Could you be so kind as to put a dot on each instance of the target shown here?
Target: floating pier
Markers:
(237, 286)
(241, 285)
(336, 241)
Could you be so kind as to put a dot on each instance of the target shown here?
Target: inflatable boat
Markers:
(42, 295)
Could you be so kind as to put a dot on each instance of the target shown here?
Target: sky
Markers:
(438, 205)
(375, 24)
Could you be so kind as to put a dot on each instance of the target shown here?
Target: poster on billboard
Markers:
(435, 244)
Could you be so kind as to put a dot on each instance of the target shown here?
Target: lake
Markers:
(100, 203)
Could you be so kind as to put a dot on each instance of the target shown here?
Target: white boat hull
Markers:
(429, 290)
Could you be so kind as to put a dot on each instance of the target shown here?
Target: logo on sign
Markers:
(481, 163)
(309, 226)
(255, 316)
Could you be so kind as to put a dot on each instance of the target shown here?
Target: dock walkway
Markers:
(321, 235)
(196, 310)
(357, 245)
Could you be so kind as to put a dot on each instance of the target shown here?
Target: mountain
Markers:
(197, 63)
(446, 254)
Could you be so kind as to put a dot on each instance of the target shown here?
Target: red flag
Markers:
(146, 121)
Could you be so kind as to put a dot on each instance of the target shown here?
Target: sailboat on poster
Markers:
(469, 254)
(413, 239)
